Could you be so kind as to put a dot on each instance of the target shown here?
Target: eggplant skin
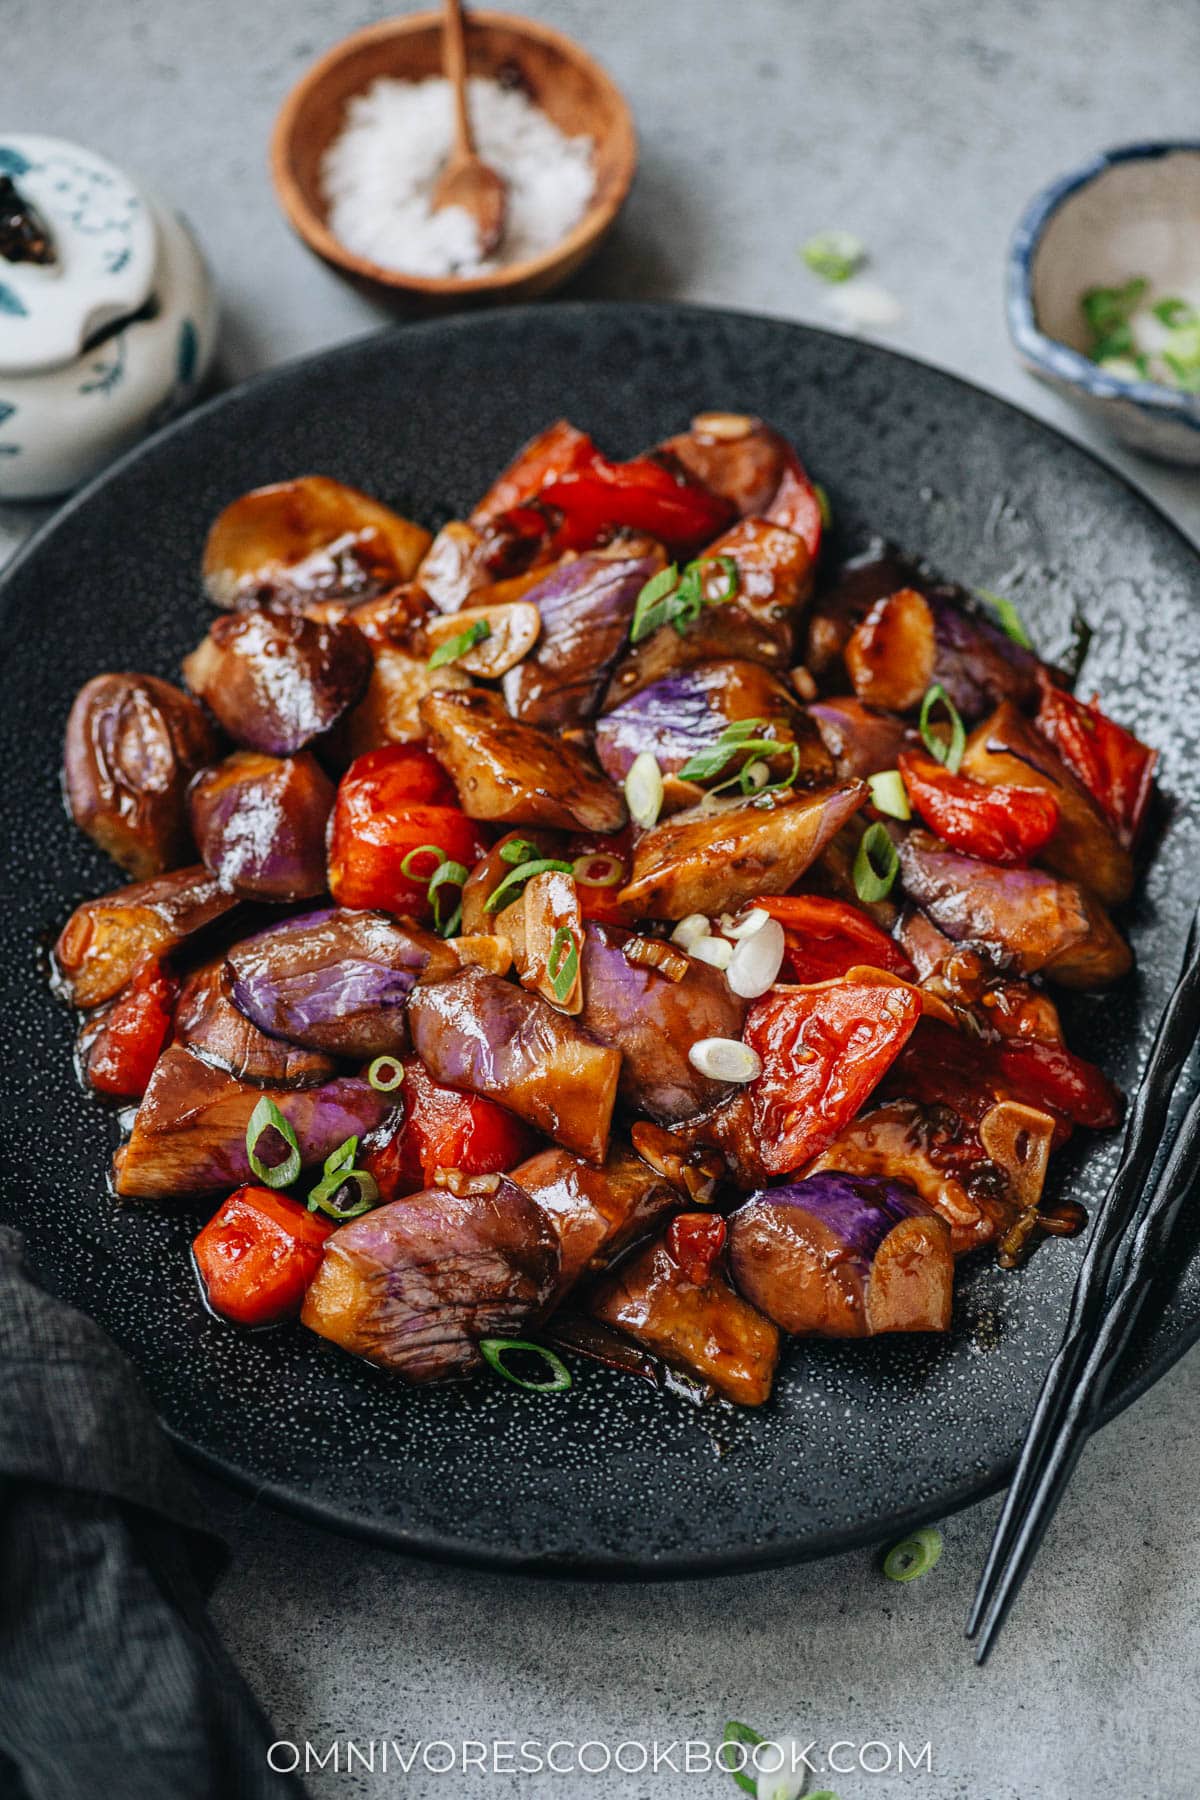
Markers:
(861, 741)
(336, 980)
(211, 1026)
(414, 1285)
(132, 745)
(515, 773)
(595, 1213)
(259, 823)
(709, 1332)
(102, 942)
(275, 681)
(479, 1033)
(843, 1256)
(654, 1022)
(189, 1133)
(586, 607)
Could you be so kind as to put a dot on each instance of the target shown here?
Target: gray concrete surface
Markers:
(924, 127)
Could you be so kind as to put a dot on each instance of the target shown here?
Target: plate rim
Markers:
(331, 1515)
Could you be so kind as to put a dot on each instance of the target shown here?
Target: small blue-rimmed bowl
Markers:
(1132, 211)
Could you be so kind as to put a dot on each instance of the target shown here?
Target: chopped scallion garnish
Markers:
(518, 850)
(339, 1169)
(408, 866)
(826, 510)
(914, 1556)
(454, 647)
(385, 1074)
(670, 598)
(1007, 617)
(834, 255)
(514, 882)
(452, 874)
(495, 1349)
(889, 794)
(876, 864)
(951, 752)
(598, 868)
(267, 1117)
(735, 739)
(1175, 313)
(562, 964)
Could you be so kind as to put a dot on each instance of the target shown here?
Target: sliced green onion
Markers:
(1108, 309)
(735, 739)
(1125, 368)
(385, 1074)
(825, 508)
(562, 964)
(1174, 313)
(671, 598)
(339, 1169)
(598, 869)
(514, 881)
(495, 1349)
(749, 1739)
(411, 873)
(834, 255)
(267, 1117)
(644, 790)
(648, 605)
(889, 794)
(518, 851)
(876, 864)
(1187, 374)
(949, 753)
(453, 874)
(454, 647)
(913, 1557)
(1007, 617)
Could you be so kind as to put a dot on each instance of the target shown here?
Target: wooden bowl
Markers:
(572, 89)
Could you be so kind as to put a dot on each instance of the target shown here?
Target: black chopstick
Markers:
(1150, 1246)
(1115, 1220)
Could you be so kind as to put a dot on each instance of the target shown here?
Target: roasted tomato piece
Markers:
(826, 937)
(695, 1241)
(376, 826)
(1115, 767)
(642, 495)
(119, 1057)
(943, 1067)
(999, 824)
(1053, 1076)
(258, 1254)
(440, 1128)
(753, 466)
(823, 1050)
(556, 451)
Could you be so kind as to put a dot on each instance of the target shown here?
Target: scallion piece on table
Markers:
(889, 794)
(746, 1739)
(267, 1117)
(914, 1556)
(495, 1349)
(834, 255)
(339, 1169)
(454, 647)
(826, 510)
(876, 864)
(950, 753)
(385, 1074)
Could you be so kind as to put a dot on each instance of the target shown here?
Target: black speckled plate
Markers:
(614, 1479)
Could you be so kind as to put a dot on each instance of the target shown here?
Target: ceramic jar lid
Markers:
(94, 244)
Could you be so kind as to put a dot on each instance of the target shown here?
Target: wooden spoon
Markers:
(468, 181)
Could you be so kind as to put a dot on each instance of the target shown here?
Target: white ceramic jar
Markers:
(107, 314)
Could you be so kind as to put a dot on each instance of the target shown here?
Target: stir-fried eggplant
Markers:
(838, 610)
(336, 980)
(104, 940)
(684, 714)
(716, 856)
(480, 1033)
(596, 1213)
(189, 1134)
(586, 607)
(209, 1024)
(654, 1020)
(515, 773)
(1028, 918)
(843, 1256)
(390, 710)
(752, 466)
(704, 1329)
(309, 539)
(133, 743)
(1007, 750)
(414, 1285)
(860, 740)
(275, 681)
(912, 640)
(259, 823)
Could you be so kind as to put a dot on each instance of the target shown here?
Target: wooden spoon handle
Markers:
(454, 55)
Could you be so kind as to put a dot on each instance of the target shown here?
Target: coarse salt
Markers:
(380, 173)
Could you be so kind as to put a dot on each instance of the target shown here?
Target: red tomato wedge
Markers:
(121, 1057)
(439, 1128)
(643, 495)
(944, 1067)
(824, 938)
(1115, 767)
(555, 451)
(258, 1254)
(824, 1050)
(795, 505)
(1002, 824)
(378, 821)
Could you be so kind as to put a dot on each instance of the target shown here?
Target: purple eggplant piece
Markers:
(414, 1285)
(654, 1021)
(209, 1024)
(687, 711)
(336, 980)
(103, 941)
(275, 680)
(189, 1133)
(259, 823)
(586, 608)
(838, 611)
(595, 1213)
(481, 1034)
(978, 664)
(843, 1256)
(860, 740)
(1027, 919)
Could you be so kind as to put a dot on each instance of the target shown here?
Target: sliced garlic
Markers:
(644, 790)
(690, 930)
(715, 950)
(725, 1059)
(747, 925)
(757, 959)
